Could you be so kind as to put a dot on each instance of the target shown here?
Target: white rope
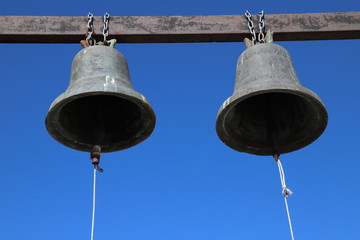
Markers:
(285, 191)
(93, 206)
(289, 219)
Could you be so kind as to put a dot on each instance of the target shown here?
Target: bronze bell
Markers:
(270, 112)
(100, 106)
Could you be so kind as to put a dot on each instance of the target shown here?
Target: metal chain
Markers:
(106, 26)
(251, 26)
(90, 28)
(261, 36)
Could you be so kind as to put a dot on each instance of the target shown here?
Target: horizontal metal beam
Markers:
(179, 29)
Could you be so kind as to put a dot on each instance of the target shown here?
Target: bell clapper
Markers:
(95, 157)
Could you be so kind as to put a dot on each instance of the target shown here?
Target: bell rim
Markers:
(56, 108)
(301, 92)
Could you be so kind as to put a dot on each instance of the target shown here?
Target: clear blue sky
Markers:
(182, 183)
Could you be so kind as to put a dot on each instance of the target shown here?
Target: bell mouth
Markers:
(113, 122)
(271, 123)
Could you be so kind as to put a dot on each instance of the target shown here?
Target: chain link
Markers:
(90, 28)
(106, 26)
(250, 25)
(261, 35)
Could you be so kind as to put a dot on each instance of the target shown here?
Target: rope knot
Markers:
(286, 192)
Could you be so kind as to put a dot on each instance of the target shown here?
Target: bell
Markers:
(270, 112)
(100, 106)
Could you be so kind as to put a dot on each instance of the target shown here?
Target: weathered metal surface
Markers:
(173, 29)
(270, 112)
(100, 106)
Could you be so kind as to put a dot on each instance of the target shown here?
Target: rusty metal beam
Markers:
(179, 29)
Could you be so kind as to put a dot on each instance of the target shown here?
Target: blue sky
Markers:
(182, 183)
